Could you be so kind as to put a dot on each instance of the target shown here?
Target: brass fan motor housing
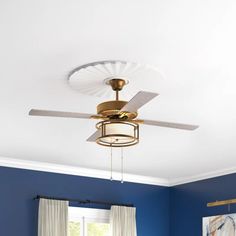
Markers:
(111, 109)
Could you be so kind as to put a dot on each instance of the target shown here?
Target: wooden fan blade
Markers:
(35, 112)
(168, 124)
(140, 99)
(94, 136)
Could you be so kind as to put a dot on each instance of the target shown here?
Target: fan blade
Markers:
(168, 124)
(140, 99)
(94, 136)
(35, 112)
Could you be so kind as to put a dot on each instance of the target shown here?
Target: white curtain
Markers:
(52, 218)
(123, 221)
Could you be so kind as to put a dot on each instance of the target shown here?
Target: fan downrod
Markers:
(117, 85)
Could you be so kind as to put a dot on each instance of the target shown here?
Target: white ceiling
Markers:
(191, 42)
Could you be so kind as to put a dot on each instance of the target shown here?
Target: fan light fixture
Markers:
(117, 133)
(119, 125)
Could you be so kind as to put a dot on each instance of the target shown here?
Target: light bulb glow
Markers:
(118, 133)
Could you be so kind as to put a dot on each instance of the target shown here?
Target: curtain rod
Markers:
(221, 203)
(83, 201)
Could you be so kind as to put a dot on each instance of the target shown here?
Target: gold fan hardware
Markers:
(117, 85)
(111, 109)
(117, 133)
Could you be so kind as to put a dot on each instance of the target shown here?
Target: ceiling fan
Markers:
(119, 126)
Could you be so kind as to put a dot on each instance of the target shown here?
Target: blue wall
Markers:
(18, 210)
(188, 203)
(161, 211)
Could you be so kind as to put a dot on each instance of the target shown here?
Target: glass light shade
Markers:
(118, 133)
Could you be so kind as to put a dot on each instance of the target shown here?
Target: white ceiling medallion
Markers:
(93, 78)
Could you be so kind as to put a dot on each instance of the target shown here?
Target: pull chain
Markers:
(111, 178)
(122, 165)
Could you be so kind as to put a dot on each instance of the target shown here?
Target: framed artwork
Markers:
(221, 225)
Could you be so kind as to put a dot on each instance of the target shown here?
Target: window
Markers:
(88, 222)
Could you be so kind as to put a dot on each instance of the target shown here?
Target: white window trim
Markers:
(88, 215)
